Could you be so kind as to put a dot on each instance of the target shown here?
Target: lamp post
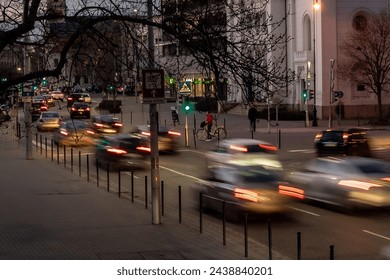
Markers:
(316, 7)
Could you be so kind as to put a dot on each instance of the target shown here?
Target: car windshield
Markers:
(332, 135)
(50, 115)
(373, 168)
(256, 175)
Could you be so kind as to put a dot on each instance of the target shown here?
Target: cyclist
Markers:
(209, 123)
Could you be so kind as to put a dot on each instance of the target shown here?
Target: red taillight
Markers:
(358, 184)
(70, 98)
(63, 132)
(245, 194)
(90, 132)
(118, 124)
(268, 147)
(98, 125)
(143, 149)
(291, 191)
(116, 151)
(174, 133)
(73, 109)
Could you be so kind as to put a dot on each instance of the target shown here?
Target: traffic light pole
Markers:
(154, 157)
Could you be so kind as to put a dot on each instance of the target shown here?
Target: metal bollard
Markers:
(52, 149)
(119, 182)
(132, 186)
(46, 147)
(97, 172)
(146, 192)
(87, 167)
(180, 214)
(80, 163)
(108, 177)
(40, 143)
(162, 198)
(71, 159)
(224, 223)
(64, 156)
(269, 240)
(200, 212)
(298, 245)
(331, 252)
(246, 232)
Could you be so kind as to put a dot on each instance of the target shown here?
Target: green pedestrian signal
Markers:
(305, 94)
(187, 107)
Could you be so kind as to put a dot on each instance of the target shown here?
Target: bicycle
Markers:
(217, 131)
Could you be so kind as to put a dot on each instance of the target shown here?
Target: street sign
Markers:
(185, 88)
(153, 86)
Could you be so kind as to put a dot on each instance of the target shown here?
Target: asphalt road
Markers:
(360, 236)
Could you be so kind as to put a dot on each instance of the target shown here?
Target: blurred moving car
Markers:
(74, 97)
(36, 108)
(352, 141)
(168, 138)
(345, 182)
(48, 120)
(74, 133)
(57, 95)
(106, 124)
(86, 97)
(80, 109)
(49, 100)
(242, 151)
(124, 151)
(253, 188)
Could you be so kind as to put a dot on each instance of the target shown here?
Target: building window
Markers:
(359, 22)
(361, 88)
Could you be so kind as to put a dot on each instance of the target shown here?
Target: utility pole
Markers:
(153, 114)
(27, 103)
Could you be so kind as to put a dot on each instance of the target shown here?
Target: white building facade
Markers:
(315, 50)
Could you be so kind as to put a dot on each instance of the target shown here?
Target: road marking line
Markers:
(186, 150)
(302, 151)
(182, 174)
(304, 211)
(375, 234)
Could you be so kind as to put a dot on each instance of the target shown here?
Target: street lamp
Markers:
(316, 7)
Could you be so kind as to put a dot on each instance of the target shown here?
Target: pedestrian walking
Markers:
(252, 116)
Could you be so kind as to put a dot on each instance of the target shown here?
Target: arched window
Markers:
(359, 22)
(307, 33)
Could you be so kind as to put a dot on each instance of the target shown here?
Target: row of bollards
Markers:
(179, 190)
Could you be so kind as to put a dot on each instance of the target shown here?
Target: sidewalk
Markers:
(49, 213)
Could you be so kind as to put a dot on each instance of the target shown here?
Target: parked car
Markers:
(74, 97)
(80, 109)
(74, 133)
(48, 120)
(57, 95)
(106, 124)
(168, 138)
(352, 141)
(254, 188)
(86, 98)
(345, 182)
(124, 151)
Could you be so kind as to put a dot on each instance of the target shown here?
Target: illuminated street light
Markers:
(316, 7)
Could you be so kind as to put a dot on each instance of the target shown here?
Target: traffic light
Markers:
(187, 107)
(44, 82)
(111, 88)
(304, 94)
(311, 94)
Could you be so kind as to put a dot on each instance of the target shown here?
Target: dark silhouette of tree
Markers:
(366, 52)
(238, 40)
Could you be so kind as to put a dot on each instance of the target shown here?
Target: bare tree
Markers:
(224, 38)
(366, 54)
